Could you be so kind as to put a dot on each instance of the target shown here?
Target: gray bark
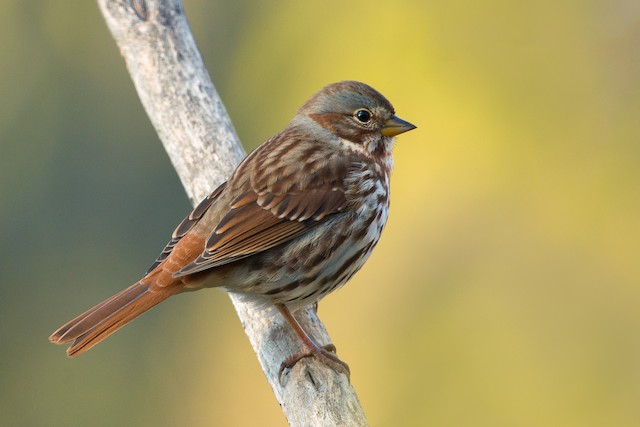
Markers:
(186, 111)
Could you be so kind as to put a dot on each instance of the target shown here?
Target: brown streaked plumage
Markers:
(298, 217)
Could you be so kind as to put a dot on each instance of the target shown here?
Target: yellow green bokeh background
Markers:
(504, 292)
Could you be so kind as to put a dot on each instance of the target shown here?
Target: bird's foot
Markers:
(325, 354)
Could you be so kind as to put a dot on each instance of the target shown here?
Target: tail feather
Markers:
(97, 323)
(78, 326)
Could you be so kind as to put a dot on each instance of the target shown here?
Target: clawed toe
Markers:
(325, 354)
(331, 348)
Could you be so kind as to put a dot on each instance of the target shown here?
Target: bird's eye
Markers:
(363, 115)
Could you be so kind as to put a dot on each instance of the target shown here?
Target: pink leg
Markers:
(325, 354)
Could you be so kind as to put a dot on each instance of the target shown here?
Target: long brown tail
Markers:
(98, 323)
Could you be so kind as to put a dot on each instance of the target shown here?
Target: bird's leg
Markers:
(325, 354)
(330, 347)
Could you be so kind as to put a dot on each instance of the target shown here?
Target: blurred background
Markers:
(504, 292)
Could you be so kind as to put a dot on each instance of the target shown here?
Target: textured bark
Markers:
(186, 111)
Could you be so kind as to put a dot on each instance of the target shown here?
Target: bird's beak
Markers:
(395, 126)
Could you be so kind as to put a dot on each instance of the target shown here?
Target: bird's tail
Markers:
(98, 323)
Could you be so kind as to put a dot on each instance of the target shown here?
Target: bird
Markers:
(295, 221)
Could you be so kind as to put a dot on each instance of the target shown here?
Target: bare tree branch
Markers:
(183, 105)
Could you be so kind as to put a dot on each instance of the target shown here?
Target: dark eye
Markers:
(363, 115)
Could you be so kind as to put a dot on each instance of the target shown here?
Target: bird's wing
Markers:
(256, 223)
(266, 212)
(187, 224)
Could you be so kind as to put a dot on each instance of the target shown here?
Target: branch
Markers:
(186, 111)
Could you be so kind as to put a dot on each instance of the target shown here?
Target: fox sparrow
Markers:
(296, 219)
